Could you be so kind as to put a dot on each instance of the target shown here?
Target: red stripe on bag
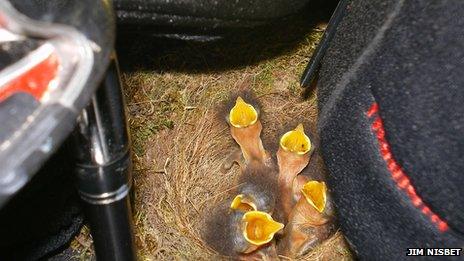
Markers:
(402, 181)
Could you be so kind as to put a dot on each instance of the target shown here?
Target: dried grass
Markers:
(184, 179)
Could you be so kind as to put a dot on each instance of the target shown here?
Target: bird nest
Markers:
(183, 178)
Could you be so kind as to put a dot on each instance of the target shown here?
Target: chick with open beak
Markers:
(310, 222)
(235, 233)
(262, 247)
(292, 157)
(246, 128)
(258, 228)
(258, 188)
(257, 191)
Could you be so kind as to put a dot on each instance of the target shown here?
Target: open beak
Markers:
(296, 141)
(243, 203)
(315, 193)
(259, 228)
(293, 154)
(242, 114)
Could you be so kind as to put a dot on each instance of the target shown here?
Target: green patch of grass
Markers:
(141, 131)
(265, 78)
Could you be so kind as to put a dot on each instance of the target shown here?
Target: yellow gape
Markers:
(315, 193)
(242, 114)
(259, 228)
(296, 141)
(240, 202)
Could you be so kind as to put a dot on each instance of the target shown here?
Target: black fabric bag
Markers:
(201, 20)
(204, 13)
(45, 215)
(391, 103)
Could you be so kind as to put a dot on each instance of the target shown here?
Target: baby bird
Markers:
(267, 252)
(292, 157)
(236, 233)
(310, 222)
(245, 128)
(258, 188)
(257, 192)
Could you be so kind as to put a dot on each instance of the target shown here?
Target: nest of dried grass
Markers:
(184, 178)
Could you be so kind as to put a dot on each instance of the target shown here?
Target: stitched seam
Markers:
(399, 176)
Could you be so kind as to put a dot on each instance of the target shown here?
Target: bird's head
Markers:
(315, 193)
(259, 227)
(242, 114)
(296, 141)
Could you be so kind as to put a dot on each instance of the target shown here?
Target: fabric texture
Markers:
(406, 57)
(204, 13)
(44, 216)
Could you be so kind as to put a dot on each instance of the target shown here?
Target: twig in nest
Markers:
(270, 93)
(166, 163)
(193, 205)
